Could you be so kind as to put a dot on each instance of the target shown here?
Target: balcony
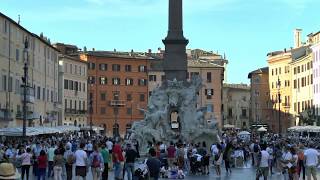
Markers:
(74, 111)
(5, 115)
(117, 103)
(82, 111)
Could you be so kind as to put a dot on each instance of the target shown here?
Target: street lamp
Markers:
(279, 101)
(25, 84)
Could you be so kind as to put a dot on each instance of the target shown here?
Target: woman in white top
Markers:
(25, 163)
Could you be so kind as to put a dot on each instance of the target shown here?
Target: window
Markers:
(91, 80)
(103, 67)
(84, 87)
(4, 82)
(10, 88)
(209, 77)
(17, 54)
(66, 84)
(84, 105)
(129, 111)
(209, 92)
(103, 96)
(192, 74)
(142, 82)
(244, 113)
(295, 84)
(102, 110)
(150, 93)
(48, 94)
(65, 104)
(230, 112)
(38, 92)
(91, 66)
(51, 96)
(43, 94)
(295, 70)
(128, 68)
(152, 78)
(115, 67)
(103, 80)
(116, 81)
(142, 68)
(142, 97)
(70, 68)
(129, 82)
(76, 85)
(75, 104)
(5, 26)
(116, 95)
(129, 97)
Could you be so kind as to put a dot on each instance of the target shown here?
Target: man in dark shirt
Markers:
(153, 165)
(131, 156)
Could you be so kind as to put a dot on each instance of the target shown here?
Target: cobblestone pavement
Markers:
(246, 173)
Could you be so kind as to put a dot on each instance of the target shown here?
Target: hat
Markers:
(8, 171)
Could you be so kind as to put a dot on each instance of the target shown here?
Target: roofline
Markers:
(72, 58)
(32, 34)
(118, 56)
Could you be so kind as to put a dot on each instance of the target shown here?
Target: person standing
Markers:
(171, 154)
(301, 165)
(227, 157)
(270, 151)
(58, 163)
(131, 156)
(218, 160)
(96, 162)
(69, 159)
(263, 163)
(42, 165)
(153, 164)
(118, 160)
(51, 151)
(81, 162)
(311, 157)
(106, 159)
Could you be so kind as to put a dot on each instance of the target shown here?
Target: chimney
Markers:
(297, 38)
(149, 51)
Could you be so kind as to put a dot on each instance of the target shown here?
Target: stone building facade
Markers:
(43, 76)
(236, 105)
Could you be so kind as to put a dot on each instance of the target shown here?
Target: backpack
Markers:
(70, 159)
(255, 148)
(95, 161)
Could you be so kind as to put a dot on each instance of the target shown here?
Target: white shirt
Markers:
(270, 151)
(288, 157)
(81, 157)
(214, 149)
(264, 159)
(311, 156)
(109, 145)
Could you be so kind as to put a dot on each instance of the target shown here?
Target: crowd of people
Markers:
(68, 156)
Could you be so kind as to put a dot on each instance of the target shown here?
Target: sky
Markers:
(245, 30)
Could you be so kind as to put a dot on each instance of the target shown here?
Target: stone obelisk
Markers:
(175, 57)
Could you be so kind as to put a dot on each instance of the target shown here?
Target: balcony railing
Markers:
(74, 111)
(117, 103)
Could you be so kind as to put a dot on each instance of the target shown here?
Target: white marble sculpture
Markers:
(180, 97)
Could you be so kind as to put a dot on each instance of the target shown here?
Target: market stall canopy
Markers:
(262, 129)
(94, 128)
(243, 133)
(304, 129)
(34, 131)
(228, 126)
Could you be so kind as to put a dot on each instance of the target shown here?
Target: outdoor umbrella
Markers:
(262, 129)
(243, 133)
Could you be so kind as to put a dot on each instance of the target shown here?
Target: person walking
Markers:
(118, 160)
(42, 165)
(301, 165)
(26, 163)
(58, 163)
(51, 154)
(262, 163)
(218, 160)
(311, 157)
(130, 156)
(81, 162)
(96, 163)
(106, 159)
(69, 161)
(153, 164)
(227, 157)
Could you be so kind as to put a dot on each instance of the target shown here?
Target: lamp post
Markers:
(25, 84)
(279, 101)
